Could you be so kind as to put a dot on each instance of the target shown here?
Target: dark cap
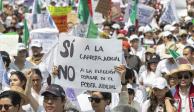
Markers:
(54, 89)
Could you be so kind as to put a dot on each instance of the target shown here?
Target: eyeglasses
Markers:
(52, 98)
(95, 99)
(183, 76)
(6, 106)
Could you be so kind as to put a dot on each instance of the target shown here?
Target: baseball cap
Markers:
(20, 47)
(147, 29)
(54, 89)
(166, 33)
(36, 43)
(160, 83)
(133, 37)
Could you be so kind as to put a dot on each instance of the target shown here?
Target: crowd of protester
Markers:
(152, 80)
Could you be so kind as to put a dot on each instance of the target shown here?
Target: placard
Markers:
(103, 7)
(89, 64)
(145, 14)
(9, 43)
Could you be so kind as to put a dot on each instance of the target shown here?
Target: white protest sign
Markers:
(181, 7)
(145, 13)
(8, 43)
(42, 21)
(48, 37)
(170, 14)
(88, 64)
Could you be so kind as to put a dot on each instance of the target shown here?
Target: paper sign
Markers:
(88, 64)
(48, 37)
(59, 11)
(145, 14)
(8, 43)
(170, 14)
(104, 7)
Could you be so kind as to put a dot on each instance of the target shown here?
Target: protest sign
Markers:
(181, 8)
(170, 14)
(72, 18)
(103, 7)
(145, 14)
(115, 10)
(88, 63)
(47, 36)
(97, 17)
(59, 15)
(8, 43)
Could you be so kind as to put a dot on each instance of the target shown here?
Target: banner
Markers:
(89, 64)
(59, 11)
(59, 15)
(170, 14)
(9, 43)
(48, 37)
(145, 14)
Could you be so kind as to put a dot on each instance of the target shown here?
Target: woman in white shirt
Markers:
(147, 77)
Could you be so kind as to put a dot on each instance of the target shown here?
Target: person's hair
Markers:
(130, 74)
(5, 57)
(131, 91)
(13, 96)
(154, 102)
(191, 49)
(190, 73)
(20, 76)
(105, 95)
(38, 72)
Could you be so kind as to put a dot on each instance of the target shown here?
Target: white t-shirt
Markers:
(147, 104)
(147, 78)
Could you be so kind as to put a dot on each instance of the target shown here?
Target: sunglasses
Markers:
(183, 76)
(52, 98)
(95, 99)
(6, 106)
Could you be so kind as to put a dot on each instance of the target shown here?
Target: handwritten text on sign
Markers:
(89, 63)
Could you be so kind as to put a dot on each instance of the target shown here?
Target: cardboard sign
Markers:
(145, 14)
(115, 10)
(48, 37)
(72, 18)
(61, 23)
(104, 7)
(9, 43)
(88, 64)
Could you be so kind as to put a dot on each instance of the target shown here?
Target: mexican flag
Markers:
(1, 5)
(178, 58)
(25, 38)
(92, 29)
(85, 10)
(133, 14)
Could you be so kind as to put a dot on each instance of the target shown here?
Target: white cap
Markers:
(20, 47)
(116, 26)
(168, 27)
(141, 29)
(187, 18)
(166, 33)
(35, 43)
(160, 83)
(147, 29)
(132, 37)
